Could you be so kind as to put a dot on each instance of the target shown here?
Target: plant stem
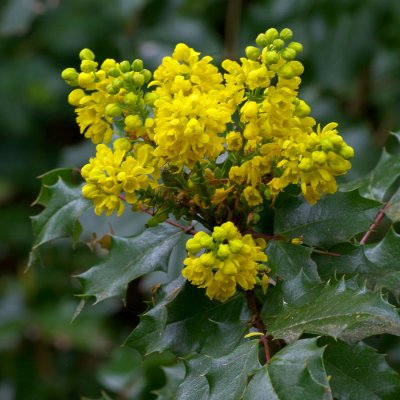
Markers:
(378, 219)
(258, 323)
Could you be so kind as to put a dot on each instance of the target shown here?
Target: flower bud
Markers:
(131, 99)
(262, 40)
(112, 110)
(138, 78)
(75, 97)
(86, 54)
(147, 75)
(107, 64)
(114, 72)
(70, 76)
(235, 245)
(286, 34)
(296, 46)
(193, 245)
(150, 98)
(88, 66)
(252, 52)
(110, 89)
(137, 65)
(278, 44)
(302, 109)
(117, 83)
(288, 54)
(219, 234)
(285, 72)
(270, 57)
(133, 122)
(271, 34)
(297, 67)
(347, 152)
(249, 109)
(85, 79)
(337, 163)
(125, 66)
(207, 242)
(223, 251)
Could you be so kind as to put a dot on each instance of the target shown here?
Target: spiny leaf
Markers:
(334, 219)
(338, 311)
(186, 321)
(286, 260)
(376, 264)
(128, 259)
(358, 372)
(64, 206)
(294, 373)
(174, 376)
(381, 177)
(221, 378)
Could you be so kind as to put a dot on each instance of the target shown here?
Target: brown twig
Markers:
(258, 323)
(378, 219)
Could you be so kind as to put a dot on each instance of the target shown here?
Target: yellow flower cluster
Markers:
(221, 261)
(112, 173)
(111, 92)
(191, 110)
(206, 146)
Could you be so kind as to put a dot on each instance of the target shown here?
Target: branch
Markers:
(378, 219)
(258, 323)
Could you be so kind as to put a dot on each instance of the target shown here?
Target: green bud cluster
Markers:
(275, 47)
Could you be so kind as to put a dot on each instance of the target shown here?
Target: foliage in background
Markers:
(351, 59)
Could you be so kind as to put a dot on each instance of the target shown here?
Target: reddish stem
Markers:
(258, 323)
(378, 219)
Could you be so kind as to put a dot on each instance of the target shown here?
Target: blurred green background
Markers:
(352, 60)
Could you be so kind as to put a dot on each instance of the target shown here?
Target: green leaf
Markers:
(174, 375)
(358, 372)
(392, 209)
(286, 260)
(334, 219)
(376, 264)
(64, 205)
(381, 177)
(186, 321)
(338, 311)
(384, 256)
(294, 373)
(128, 259)
(221, 378)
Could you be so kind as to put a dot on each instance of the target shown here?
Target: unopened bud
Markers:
(262, 40)
(286, 34)
(270, 57)
(70, 76)
(133, 122)
(278, 44)
(138, 79)
(252, 52)
(347, 152)
(137, 65)
(288, 54)
(125, 66)
(86, 54)
(296, 46)
(112, 110)
(271, 34)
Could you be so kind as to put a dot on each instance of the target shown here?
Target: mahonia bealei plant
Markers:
(207, 146)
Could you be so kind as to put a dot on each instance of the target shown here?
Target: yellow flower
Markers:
(252, 196)
(112, 173)
(227, 259)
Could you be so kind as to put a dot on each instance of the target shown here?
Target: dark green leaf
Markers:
(392, 209)
(334, 219)
(174, 375)
(358, 372)
(221, 378)
(338, 311)
(376, 264)
(287, 260)
(294, 373)
(381, 177)
(64, 205)
(186, 321)
(130, 258)
(384, 267)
